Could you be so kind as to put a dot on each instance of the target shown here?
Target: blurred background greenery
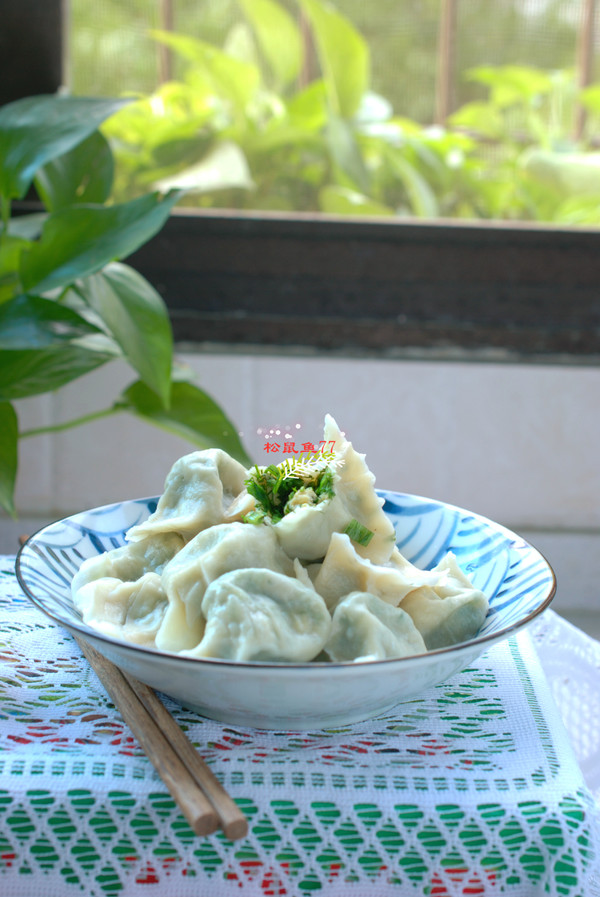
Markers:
(449, 108)
(110, 46)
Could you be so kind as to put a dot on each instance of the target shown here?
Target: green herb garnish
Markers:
(359, 533)
(271, 489)
(274, 487)
(254, 516)
(325, 485)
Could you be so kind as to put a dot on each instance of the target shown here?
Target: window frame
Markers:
(452, 290)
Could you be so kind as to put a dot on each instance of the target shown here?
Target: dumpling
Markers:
(366, 628)
(306, 500)
(129, 562)
(217, 550)
(214, 551)
(257, 614)
(296, 498)
(132, 611)
(450, 611)
(302, 575)
(199, 489)
(343, 571)
(354, 483)
(242, 504)
(306, 531)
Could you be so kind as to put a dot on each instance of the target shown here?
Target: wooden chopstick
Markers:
(199, 795)
(231, 819)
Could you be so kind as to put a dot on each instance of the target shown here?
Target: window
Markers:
(394, 286)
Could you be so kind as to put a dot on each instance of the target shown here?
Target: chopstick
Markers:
(200, 796)
(231, 819)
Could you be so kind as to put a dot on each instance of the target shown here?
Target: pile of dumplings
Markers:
(196, 579)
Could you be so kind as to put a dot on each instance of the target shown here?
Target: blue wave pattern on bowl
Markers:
(48, 562)
(516, 579)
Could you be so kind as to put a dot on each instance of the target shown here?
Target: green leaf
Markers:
(422, 198)
(31, 372)
(280, 134)
(483, 118)
(224, 167)
(510, 84)
(578, 211)
(229, 77)
(590, 98)
(307, 109)
(10, 253)
(31, 322)
(138, 320)
(175, 112)
(35, 130)
(192, 415)
(80, 240)
(346, 153)
(9, 440)
(278, 37)
(175, 153)
(83, 175)
(241, 44)
(343, 54)
(341, 201)
(570, 174)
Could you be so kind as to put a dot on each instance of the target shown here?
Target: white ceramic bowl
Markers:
(518, 581)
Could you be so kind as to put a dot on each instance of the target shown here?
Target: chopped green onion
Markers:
(325, 484)
(274, 486)
(359, 533)
(255, 517)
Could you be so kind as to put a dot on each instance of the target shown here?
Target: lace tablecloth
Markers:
(473, 788)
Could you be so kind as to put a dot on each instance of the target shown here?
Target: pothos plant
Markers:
(68, 305)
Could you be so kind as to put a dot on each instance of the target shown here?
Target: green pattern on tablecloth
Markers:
(402, 846)
(470, 789)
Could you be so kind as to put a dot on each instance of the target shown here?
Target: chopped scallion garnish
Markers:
(359, 533)
(274, 487)
(255, 516)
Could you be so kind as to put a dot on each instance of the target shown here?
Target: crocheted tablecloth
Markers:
(472, 788)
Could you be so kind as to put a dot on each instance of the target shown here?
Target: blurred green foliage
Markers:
(280, 117)
(110, 47)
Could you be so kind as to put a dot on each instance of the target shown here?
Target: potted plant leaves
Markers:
(68, 304)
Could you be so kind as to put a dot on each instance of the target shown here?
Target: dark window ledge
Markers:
(388, 289)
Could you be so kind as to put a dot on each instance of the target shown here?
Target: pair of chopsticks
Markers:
(199, 795)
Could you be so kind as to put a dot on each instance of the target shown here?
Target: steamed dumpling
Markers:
(305, 532)
(199, 489)
(258, 614)
(366, 628)
(132, 611)
(449, 612)
(195, 579)
(214, 551)
(129, 562)
(343, 571)
(311, 514)
(355, 485)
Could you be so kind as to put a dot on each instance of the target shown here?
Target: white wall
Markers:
(518, 444)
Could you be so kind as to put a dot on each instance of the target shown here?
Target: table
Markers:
(473, 788)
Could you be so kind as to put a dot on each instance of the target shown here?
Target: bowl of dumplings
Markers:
(288, 596)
